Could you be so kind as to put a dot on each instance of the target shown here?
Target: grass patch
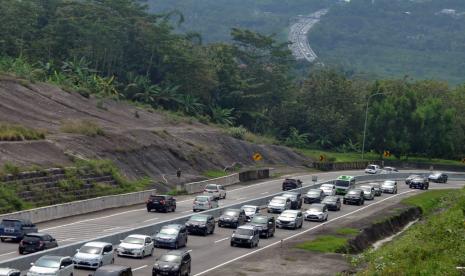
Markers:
(177, 192)
(84, 127)
(347, 231)
(327, 244)
(214, 173)
(430, 200)
(9, 132)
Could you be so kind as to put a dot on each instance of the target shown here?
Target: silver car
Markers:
(368, 192)
(136, 246)
(94, 255)
(279, 204)
(52, 266)
(9, 272)
(328, 189)
(389, 186)
(204, 202)
(377, 188)
(250, 211)
(290, 219)
(215, 190)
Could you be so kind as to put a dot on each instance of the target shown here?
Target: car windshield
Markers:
(249, 209)
(388, 184)
(314, 192)
(342, 183)
(291, 196)
(133, 240)
(260, 220)
(326, 187)
(288, 215)
(246, 232)
(169, 231)
(211, 187)
(371, 167)
(278, 201)
(170, 258)
(316, 208)
(157, 198)
(329, 199)
(366, 189)
(47, 262)
(231, 213)
(201, 198)
(90, 250)
(199, 218)
(11, 223)
(353, 192)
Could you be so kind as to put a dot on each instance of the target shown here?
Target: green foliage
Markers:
(84, 127)
(177, 192)
(296, 139)
(429, 201)
(214, 173)
(10, 168)
(9, 200)
(347, 231)
(326, 244)
(9, 132)
(237, 132)
(223, 116)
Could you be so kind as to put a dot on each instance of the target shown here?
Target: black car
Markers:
(171, 236)
(232, 218)
(291, 184)
(314, 196)
(332, 202)
(410, 178)
(245, 235)
(419, 183)
(296, 199)
(354, 196)
(163, 203)
(266, 225)
(15, 229)
(438, 177)
(34, 242)
(113, 270)
(201, 224)
(177, 262)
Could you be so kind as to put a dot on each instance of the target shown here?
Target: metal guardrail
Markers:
(23, 262)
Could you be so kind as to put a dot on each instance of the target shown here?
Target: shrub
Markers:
(9, 132)
(84, 127)
(237, 132)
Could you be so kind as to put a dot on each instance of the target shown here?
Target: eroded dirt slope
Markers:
(141, 142)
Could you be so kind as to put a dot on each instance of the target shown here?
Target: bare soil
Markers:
(140, 141)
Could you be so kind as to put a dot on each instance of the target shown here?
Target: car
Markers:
(368, 192)
(201, 224)
(389, 186)
(94, 255)
(328, 189)
(204, 202)
(438, 177)
(296, 199)
(232, 218)
(35, 242)
(250, 211)
(9, 272)
(290, 219)
(176, 262)
(265, 223)
(377, 188)
(171, 236)
(333, 203)
(215, 190)
(317, 212)
(410, 178)
(15, 229)
(245, 235)
(136, 246)
(354, 196)
(291, 184)
(387, 170)
(52, 265)
(113, 270)
(163, 203)
(279, 204)
(373, 169)
(419, 183)
(314, 196)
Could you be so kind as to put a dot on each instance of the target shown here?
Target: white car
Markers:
(328, 189)
(94, 255)
(317, 212)
(368, 192)
(279, 204)
(204, 202)
(217, 191)
(373, 169)
(389, 186)
(250, 211)
(387, 170)
(52, 265)
(136, 246)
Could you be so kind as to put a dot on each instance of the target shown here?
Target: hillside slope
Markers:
(140, 141)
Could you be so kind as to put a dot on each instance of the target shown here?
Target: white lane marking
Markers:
(188, 211)
(70, 239)
(113, 228)
(298, 234)
(222, 240)
(189, 251)
(265, 193)
(152, 219)
(141, 267)
(13, 252)
(241, 198)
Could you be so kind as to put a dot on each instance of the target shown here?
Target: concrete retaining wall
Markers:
(80, 207)
(197, 187)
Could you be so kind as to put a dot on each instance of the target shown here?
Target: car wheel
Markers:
(176, 245)
(232, 244)
(142, 255)
(149, 210)
(100, 264)
(151, 252)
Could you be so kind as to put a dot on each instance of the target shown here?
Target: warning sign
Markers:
(257, 157)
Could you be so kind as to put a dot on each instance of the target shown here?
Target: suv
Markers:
(34, 242)
(279, 204)
(332, 202)
(354, 196)
(290, 219)
(204, 202)
(248, 235)
(314, 196)
(172, 235)
(15, 229)
(94, 255)
(373, 169)
(52, 265)
(419, 183)
(177, 262)
(164, 203)
(296, 199)
(215, 190)
(232, 218)
(410, 178)
(266, 225)
(203, 224)
(9, 272)
(291, 184)
(113, 270)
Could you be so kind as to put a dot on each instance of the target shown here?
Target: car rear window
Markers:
(157, 198)
(211, 187)
(11, 223)
(31, 238)
(201, 198)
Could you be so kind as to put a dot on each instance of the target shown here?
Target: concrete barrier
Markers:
(197, 187)
(80, 207)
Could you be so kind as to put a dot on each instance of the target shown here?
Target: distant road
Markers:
(300, 46)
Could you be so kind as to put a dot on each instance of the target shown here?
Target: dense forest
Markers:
(116, 49)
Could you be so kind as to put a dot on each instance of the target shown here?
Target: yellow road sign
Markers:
(322, 158)
(387, 153)
(463, 160)
(257, 157)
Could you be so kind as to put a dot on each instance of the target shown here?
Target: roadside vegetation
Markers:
(434, 246)
(84, 127)
(9, 132)
(215, 173)
(325, 244)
